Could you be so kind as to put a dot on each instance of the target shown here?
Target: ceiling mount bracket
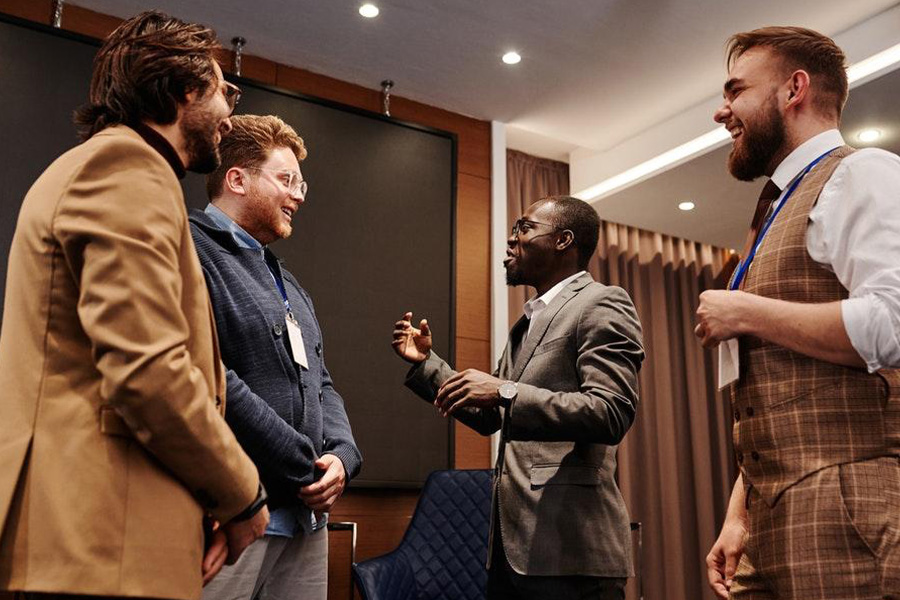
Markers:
(386, 86)
(56, 16)
(238, 44)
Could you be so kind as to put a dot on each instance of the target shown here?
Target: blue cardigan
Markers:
(283, 416)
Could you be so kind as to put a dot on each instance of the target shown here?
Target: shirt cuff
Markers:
(857, 314)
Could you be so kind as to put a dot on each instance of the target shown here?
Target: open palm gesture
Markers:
(411, 344)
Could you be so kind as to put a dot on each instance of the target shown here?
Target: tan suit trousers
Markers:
(833, 536)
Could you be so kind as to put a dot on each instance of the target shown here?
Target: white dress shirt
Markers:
(537, 304)
(854, 232)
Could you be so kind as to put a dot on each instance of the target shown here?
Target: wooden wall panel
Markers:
(307, 82)
(473, 267)
(382, 515)
(36, 10)
(262, 70)
(473, 450)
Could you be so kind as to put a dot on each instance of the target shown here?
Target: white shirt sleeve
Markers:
(855, 231)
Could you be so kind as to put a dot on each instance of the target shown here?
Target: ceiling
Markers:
(595, 74)
(724, 205)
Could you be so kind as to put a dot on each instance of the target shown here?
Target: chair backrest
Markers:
(446, 542)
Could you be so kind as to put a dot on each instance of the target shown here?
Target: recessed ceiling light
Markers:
(512, 58)
(868, 135)
(369, 11)
(686, 205)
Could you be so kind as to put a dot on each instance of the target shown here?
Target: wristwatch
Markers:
(508, 391)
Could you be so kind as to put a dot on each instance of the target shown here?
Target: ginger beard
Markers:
(263, 210)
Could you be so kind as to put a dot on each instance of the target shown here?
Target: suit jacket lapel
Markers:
(542, 323)
(513, 347)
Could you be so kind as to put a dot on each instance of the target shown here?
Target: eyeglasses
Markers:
(289, 179)
(523, 225)
(232, 96)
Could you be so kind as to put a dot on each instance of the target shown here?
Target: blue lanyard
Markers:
(745, 264)
(280, 285)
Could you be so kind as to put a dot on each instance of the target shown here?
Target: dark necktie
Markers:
(769, 194)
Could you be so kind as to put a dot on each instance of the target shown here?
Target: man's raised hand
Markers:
(411, 344)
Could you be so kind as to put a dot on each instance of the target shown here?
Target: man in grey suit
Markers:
(563, 396)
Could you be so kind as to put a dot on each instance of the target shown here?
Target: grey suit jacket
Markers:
(560, 510)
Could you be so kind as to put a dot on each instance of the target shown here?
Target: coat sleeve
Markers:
(609, 356)
(121, 226)
(284, 456)
(426, 378)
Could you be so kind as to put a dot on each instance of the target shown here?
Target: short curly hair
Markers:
(581, 219)
(251, 140)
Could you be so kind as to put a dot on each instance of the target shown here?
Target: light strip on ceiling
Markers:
(879, 63)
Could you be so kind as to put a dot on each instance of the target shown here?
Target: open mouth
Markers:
(288, 213)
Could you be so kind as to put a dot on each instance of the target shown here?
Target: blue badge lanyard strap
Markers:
(279, 283)
(744, 265)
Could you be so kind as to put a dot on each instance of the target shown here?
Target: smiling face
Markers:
(268, 205)
(751, 113)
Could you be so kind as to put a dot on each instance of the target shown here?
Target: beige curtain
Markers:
(528, 179)
(675, 465)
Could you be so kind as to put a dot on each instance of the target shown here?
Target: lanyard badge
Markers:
(729, 355)
(295, 335)
(744, 265)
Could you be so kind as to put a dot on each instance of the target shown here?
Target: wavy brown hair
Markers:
(251, 140)
(145, 69)
(801, 48)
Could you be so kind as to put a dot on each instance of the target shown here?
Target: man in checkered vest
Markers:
(809, 336)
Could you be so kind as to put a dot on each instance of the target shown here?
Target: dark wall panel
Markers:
(374, 238)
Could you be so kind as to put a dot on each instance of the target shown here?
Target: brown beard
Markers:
(753, 157)
(199, 129)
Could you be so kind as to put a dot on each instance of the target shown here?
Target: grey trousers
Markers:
(276, 568)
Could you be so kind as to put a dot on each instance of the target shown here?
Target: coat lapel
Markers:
(513, 347)
(542, 323)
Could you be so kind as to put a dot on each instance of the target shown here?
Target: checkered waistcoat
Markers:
(795, 415)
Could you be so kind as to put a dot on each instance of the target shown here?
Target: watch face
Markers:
(508, 390)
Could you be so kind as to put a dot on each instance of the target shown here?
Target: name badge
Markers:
(729, 363)
(297, 347)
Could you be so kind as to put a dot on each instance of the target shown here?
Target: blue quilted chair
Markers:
(443, 551)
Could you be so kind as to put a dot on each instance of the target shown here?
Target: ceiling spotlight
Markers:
(869, 135)
(512, 58)
(686, 206)
(369, 11)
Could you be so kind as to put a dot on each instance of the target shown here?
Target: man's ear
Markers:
(189, 98)
(798, 88)
(565, 239)
(236, 181)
